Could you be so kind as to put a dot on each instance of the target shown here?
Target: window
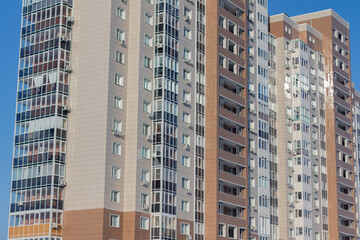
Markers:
(185, 228)
(144, 223)
(222, 21)
(222, 41)
(115, 172)
(145, 176)
(144, 199)
(121, 13)
(252, 182)
(145, 152)
(187, 75)
(119, 57)
(185, 206)
(120, 34)
(147, 84)
(147, 62)
(187, 12)
(146, 129)
(114, 220)
(185, 161)
(222, 230)
(187, 54)
(186, 96)
(118, 102)
(222, 61)
(187, 33)
(148, 18)
(232, 66)
(186, 139)
(185, 183)
(148, 40)
(232, 233)
(117, 125)
(115, 196)
(146, 107)
(119, 79)
(116, 149)
(186, 117)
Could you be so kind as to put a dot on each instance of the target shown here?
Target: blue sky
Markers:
(9, 40)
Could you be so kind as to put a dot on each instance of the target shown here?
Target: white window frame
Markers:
(115, 172)
(117, 218)
(115, 196)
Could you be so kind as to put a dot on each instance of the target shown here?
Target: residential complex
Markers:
(169, 119)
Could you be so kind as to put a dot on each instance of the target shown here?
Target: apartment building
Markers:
(299, 61)
(226, 172)
(340, 99)
(153, 119)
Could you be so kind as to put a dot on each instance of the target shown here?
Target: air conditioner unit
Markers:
(187, 147)
(188, 61)
(66, 109)
(68, 68)
(118, 133)
(188, 191)
(62, 183)
(190, 1)
(294, 153)
(189, 125)
(296, 65)
(145, 206)
(184, 101)
(253, 208)
(123, 1)
(64, 38)
(188, 81)
(287, 66)
(20, 203)
(144, 183)
(290, 222)
(159, 45)
(122, 42)
(252, 168)
(149, 137)
(239, 13)
(70, 20)
(188, 237)
(54, 226)
(253, 228)
(292, 204)
(150, 115)
(186, 18)
(290, 185)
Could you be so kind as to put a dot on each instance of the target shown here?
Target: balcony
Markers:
(341, 125)
(341, 83)
(231, 110)
(232, 213)
(232, 131)
(231, 151)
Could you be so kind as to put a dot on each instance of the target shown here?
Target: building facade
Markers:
(171, 119)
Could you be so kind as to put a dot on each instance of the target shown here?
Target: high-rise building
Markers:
(153, 119)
